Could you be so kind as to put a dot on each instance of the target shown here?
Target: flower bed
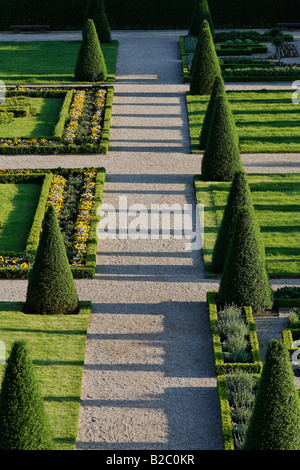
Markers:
(254, 364)
(68, 137)
(81, 235)
(253, 35)
(236, 393)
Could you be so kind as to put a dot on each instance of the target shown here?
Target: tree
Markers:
(278, 41)
(221, 158)
(23, 424)
(205, 66)
(96, 11)
(244, 280)
(200, 13)
(238, 197)
(275, 419)
(51, 288)
(218, 89)
(90, 65)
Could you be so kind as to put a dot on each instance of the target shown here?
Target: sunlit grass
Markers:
(266, 121)
(45, 62)
(276, 199)
(41, 125)
(56, 344)
(17, 210)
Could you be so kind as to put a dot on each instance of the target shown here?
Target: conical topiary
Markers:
(244, 280)
(218, 89)
(275, 419)
(23, 421)
(238, 197)
(96, 11)
(221, 159)
(90, 65)
(51, 288)
(205, 66)
(200, 13)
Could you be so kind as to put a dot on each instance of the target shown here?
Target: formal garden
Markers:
(59, 101)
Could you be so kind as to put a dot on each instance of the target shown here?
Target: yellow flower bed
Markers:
(82, 225)
(75, 113)
(99, 104)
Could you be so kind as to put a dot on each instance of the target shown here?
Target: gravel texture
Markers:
(149, 380)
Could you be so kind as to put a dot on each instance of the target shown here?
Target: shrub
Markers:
(90, 65)
(6, 117)
(218, 88)
(96, 11)
(205, 65)
(221, 159)
(244, 279)
(24, 424)
(51, 288)
(275, 420)
(239, 196)
(200, 13)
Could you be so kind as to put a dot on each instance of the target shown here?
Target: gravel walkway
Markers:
(149, 380)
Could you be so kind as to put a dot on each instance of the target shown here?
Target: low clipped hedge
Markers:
(226, 423)
(253, 35)
(235, 63)
(221, 367)
(263, 74)
(63, 115)
(240, 49)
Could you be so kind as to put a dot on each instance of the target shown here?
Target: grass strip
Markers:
(276, 199)
(56, 345)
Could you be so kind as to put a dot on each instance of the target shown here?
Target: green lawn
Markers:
(39, 126)
(17, 211)
(267, 121)
(45, 62)
(56, 345)
(276, 199)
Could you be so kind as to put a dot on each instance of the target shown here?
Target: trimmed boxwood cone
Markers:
(200, 13)
(90, 65)
(96, 11)
(218, 89)
(51, 287)
(238, 197)
(205, 66)
(275, 420)
(221, 159)
(23, 424)
(244, 279)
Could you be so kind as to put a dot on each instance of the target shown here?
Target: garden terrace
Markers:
(48, 62)
(251, 356)
(76, 195)
(276, 200)
(266, 121)
(57, 346)
(237, 66)
(67, 121)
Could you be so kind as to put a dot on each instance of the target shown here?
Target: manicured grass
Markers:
(267, 121)
(56, 345)
(39, 126)
(45, 62)
(276, 200)
(17, 210)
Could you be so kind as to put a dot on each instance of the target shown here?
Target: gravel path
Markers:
(149, 379)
